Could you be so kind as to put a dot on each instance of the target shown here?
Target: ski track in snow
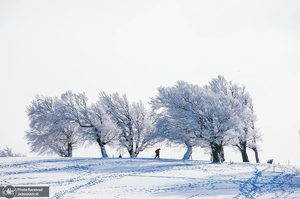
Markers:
(148, 178)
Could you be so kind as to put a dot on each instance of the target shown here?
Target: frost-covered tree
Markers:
(210, 116)
(220, 86)
(134, 120)
(186, 104)
(254, 137)
(176, 132)
(95, 124)
(242, 107)
(57, 125)
(58, 140)
(48, 134)
(245, 117)
(247, 135)
(177, 115)
(219, 124)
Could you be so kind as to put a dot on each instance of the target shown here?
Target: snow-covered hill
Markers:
(149, 178)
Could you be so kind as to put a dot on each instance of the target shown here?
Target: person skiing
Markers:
(157, 153)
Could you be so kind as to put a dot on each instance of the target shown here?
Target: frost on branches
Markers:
(175, 130)
(211, 117)
(216, 115)
(60, 124)
(57, 125)
(93, 121)
(245, 135)
(133, 119)
(7, 152)
(48, 134)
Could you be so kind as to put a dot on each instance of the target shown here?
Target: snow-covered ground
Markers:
(149, 178)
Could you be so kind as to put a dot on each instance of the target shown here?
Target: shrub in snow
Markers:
(7, 152)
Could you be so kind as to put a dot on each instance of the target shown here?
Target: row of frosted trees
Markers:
(216, 115)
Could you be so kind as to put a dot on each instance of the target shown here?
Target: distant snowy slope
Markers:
(149, 178)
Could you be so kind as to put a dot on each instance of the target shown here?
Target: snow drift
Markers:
(149, 178)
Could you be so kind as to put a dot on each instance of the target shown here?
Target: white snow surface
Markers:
(150, 178)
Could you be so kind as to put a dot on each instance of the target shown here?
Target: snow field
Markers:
(149, 178)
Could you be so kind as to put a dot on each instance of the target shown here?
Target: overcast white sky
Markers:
(133, 47)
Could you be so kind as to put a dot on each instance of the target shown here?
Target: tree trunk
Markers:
(70, 149)
(217, 152)
(131, 153)
(189, 151)
(243, 150)
(102, 148)
(103, 151)
(256, 154)
(131, 149)
(137, 151)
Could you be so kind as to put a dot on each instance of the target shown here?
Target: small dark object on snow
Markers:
(157, 153)
(120, 156)
(270, 161)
